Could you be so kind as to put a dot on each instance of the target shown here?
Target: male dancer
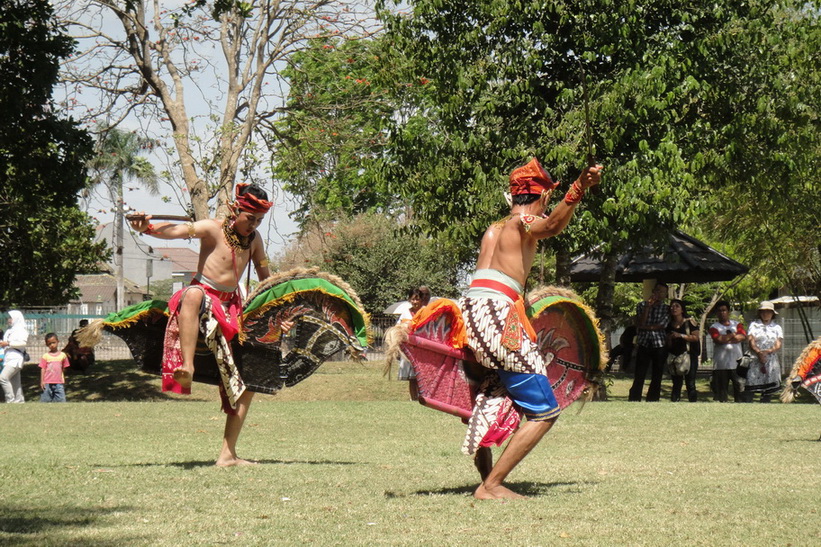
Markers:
(212, 303)
(498, 331)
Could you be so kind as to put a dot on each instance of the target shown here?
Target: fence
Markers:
(41, 321)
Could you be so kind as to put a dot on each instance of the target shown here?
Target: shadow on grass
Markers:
(529, 489)
(46, 525)
(210, 463)
(105, 381)
(802, 440)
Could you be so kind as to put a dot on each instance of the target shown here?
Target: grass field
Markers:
(346, 460)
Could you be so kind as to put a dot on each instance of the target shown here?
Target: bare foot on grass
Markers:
(496, 493)
(233, 462)
(184, 377)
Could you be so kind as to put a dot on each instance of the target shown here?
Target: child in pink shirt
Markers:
(51, 372)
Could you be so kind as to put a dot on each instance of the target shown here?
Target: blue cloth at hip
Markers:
(532, 393)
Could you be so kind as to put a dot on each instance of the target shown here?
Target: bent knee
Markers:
(191, 300)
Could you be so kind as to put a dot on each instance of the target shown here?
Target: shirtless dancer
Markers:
(226, 246)
(493, 309)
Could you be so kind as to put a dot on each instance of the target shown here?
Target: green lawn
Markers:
(345, 460)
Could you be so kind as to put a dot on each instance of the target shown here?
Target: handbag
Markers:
(743, 364)
(678, 365)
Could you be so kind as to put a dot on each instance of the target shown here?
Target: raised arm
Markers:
(560, 216)
(168, 230)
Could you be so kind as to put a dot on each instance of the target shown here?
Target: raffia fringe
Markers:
(788, 394)
(394, 338)
(90, 335)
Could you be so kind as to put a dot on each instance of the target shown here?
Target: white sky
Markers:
(278, 228)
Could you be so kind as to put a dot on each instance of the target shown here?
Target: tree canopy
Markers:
(45, 238)
(687, 103)
(380, 261)
(342, 101)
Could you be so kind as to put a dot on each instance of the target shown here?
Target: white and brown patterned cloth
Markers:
(485, 321)
(495, 417)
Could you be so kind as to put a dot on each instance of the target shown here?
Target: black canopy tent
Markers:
(683, 259)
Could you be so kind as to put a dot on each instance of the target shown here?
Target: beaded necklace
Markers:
(234, 240)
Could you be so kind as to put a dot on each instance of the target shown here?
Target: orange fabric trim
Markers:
(808, 363)
(517, 313)
(458, 334)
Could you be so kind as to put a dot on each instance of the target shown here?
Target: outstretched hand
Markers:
(140, 222)
(591, 176)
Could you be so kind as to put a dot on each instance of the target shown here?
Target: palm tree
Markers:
(118, 160)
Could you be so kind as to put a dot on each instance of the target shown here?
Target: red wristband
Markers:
(149, 231)
(574, 195)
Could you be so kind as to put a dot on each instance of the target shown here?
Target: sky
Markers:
(277, 230)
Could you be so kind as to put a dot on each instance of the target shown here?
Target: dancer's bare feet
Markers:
(483, 461)
(233, 462)
(184, 376)
(496, 493)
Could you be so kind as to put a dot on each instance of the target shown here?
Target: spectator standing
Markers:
(652, 316)
(727, 335)
(765, 339)
(418, 298)
(683, 337)
(14, 342)
(52, 379)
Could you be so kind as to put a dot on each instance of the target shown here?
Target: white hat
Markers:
(767, 305)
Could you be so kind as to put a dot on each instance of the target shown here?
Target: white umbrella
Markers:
(397, 308)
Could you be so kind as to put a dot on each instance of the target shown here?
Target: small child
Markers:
(51, 372)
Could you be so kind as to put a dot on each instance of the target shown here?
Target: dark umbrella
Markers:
(683, 259)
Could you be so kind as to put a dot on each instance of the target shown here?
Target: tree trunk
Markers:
(563, 260)
(604, 306)
(607, 290)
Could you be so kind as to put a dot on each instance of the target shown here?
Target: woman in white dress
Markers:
(765, 338)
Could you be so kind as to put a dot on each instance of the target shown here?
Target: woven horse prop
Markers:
(328, 317)
(450, 378)
(806, 373)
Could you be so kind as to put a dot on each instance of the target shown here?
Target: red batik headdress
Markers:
(531, 179)
(249, 202)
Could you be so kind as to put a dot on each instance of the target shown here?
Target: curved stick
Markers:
(140, 216)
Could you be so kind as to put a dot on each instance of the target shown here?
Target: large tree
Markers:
(770, 148)
(343, 98)
(204, 74)
(509, 80)
(45, 238)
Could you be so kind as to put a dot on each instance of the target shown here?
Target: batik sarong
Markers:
(218, 324)
(499, 335)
